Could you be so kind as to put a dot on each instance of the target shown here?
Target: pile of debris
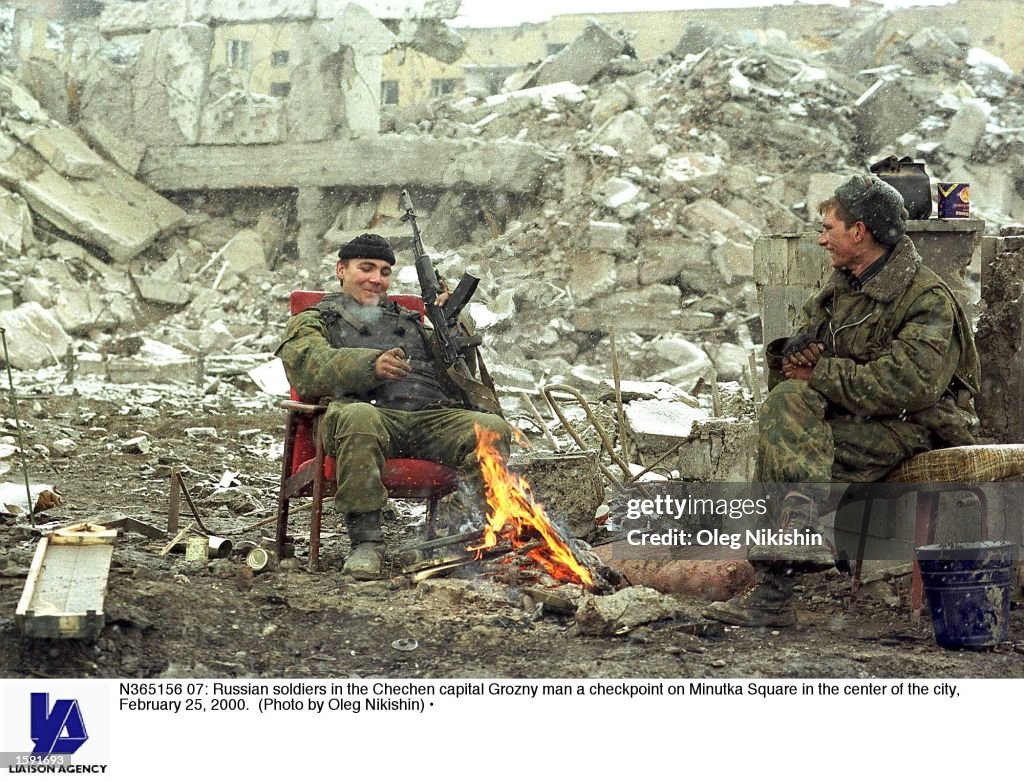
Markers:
(661, 175)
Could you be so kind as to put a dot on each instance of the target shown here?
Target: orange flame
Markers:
(515, 515)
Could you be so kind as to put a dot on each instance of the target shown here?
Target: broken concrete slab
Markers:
(117, 147)
(34, 336)
(583, 59)
(657, 426)
(708, 216)
(170, 85)
(124, 17)
(592, 275)
(244, 255)
(110, 209)
(966, 128)
(626, 132)
(610, 237)
(163, 291)
(240, 117)
(670, 258)
(883, 113)
(62, 148)
(433, 38)
(631, 607)
(386, 161)
(15, 222)
(155, 362)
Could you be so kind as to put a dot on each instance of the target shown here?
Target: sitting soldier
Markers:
(374, 364)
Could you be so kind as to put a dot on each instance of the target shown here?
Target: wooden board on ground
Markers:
(67, 583)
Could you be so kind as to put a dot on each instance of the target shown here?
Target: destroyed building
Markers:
(171, 171)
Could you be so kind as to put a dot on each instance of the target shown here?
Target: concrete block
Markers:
(121, 18)
(612, 237)
(627, 132)
(966, 128)
(15, 223)
(66, 153)
(734, 261)
(252, 10)
(583, 59)
(632, 606)
(731, 362)
(34, 337)
(720, 450)
(615, 192)
(155, 362)
(671, 258)
(707, 216)
(433, 38)
(883, 113)
(693, 170)
(568, 485)
(657, 426)
(170, 85)
(163, 291)
(244, 254)
(592, 274)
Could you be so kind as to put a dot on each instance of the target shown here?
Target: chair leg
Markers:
(431, 516)
(282, 497)
(924, 534)
(318, 504)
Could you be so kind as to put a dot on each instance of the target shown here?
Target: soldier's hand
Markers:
(392, 365)
(806, 357)
(791, 371)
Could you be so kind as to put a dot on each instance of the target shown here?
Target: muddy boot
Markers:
(366, 558)
(793, 543)
(365, 561)
(768, 603)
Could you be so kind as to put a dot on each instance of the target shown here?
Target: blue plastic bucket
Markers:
(968, 587)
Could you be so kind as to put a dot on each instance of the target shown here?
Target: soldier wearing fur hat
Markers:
(373, 363)
(882, 366)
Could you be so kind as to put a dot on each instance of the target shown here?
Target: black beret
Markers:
(368, 245)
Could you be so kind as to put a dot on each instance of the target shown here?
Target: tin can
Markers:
(954, 200)
(261, 560)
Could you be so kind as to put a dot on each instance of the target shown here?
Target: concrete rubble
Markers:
(597, 194)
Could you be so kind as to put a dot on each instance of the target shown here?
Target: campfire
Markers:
(517, 519)
(517, 534)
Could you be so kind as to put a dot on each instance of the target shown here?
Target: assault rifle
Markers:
(444, 317)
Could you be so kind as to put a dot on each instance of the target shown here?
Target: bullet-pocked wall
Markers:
(259, 54)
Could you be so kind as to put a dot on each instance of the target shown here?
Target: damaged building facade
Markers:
(155, 174)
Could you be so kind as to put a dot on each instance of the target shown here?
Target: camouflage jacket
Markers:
(899, 347)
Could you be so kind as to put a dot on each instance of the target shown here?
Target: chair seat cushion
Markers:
(406, 478)
(970, 463)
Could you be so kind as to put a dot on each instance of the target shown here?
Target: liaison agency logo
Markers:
(55, 727)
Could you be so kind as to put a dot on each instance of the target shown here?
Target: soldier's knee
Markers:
(791, 397)
(499, 426)
(356, 418)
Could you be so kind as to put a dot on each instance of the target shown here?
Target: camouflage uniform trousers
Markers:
(802, 441)
(361, 436)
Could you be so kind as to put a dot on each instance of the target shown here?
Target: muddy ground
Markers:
(173, 618)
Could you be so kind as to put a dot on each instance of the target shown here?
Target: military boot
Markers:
(767, 603)
(366, 558)
(798, 521)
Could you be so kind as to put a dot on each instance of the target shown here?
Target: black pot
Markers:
(912, 182)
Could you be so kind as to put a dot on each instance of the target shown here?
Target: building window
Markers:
(389, 93)
(440, 87)
(239, 54)
(279, 58)
(553, 48)
(280, 89)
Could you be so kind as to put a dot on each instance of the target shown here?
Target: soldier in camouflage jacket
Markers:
(372, 362)
(882, 366)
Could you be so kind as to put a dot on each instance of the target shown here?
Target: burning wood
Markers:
(517, 519)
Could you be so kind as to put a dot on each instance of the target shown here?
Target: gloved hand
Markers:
(799, 343)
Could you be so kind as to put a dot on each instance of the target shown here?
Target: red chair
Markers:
(307, 470)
